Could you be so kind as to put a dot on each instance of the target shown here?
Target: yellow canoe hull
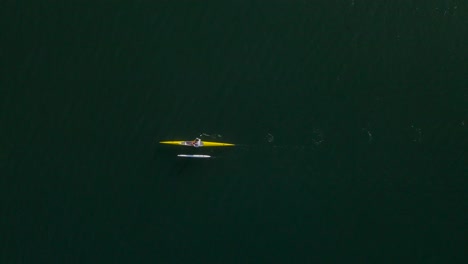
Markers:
(204, 143)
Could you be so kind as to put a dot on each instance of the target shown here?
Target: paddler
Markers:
(196, 143)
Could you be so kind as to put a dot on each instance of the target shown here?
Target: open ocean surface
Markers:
(351, 119)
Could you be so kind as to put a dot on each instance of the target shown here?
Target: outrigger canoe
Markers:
(202, 143)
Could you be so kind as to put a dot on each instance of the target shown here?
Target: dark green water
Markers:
(351, 118)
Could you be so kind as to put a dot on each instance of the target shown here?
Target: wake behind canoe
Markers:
(197, 156)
